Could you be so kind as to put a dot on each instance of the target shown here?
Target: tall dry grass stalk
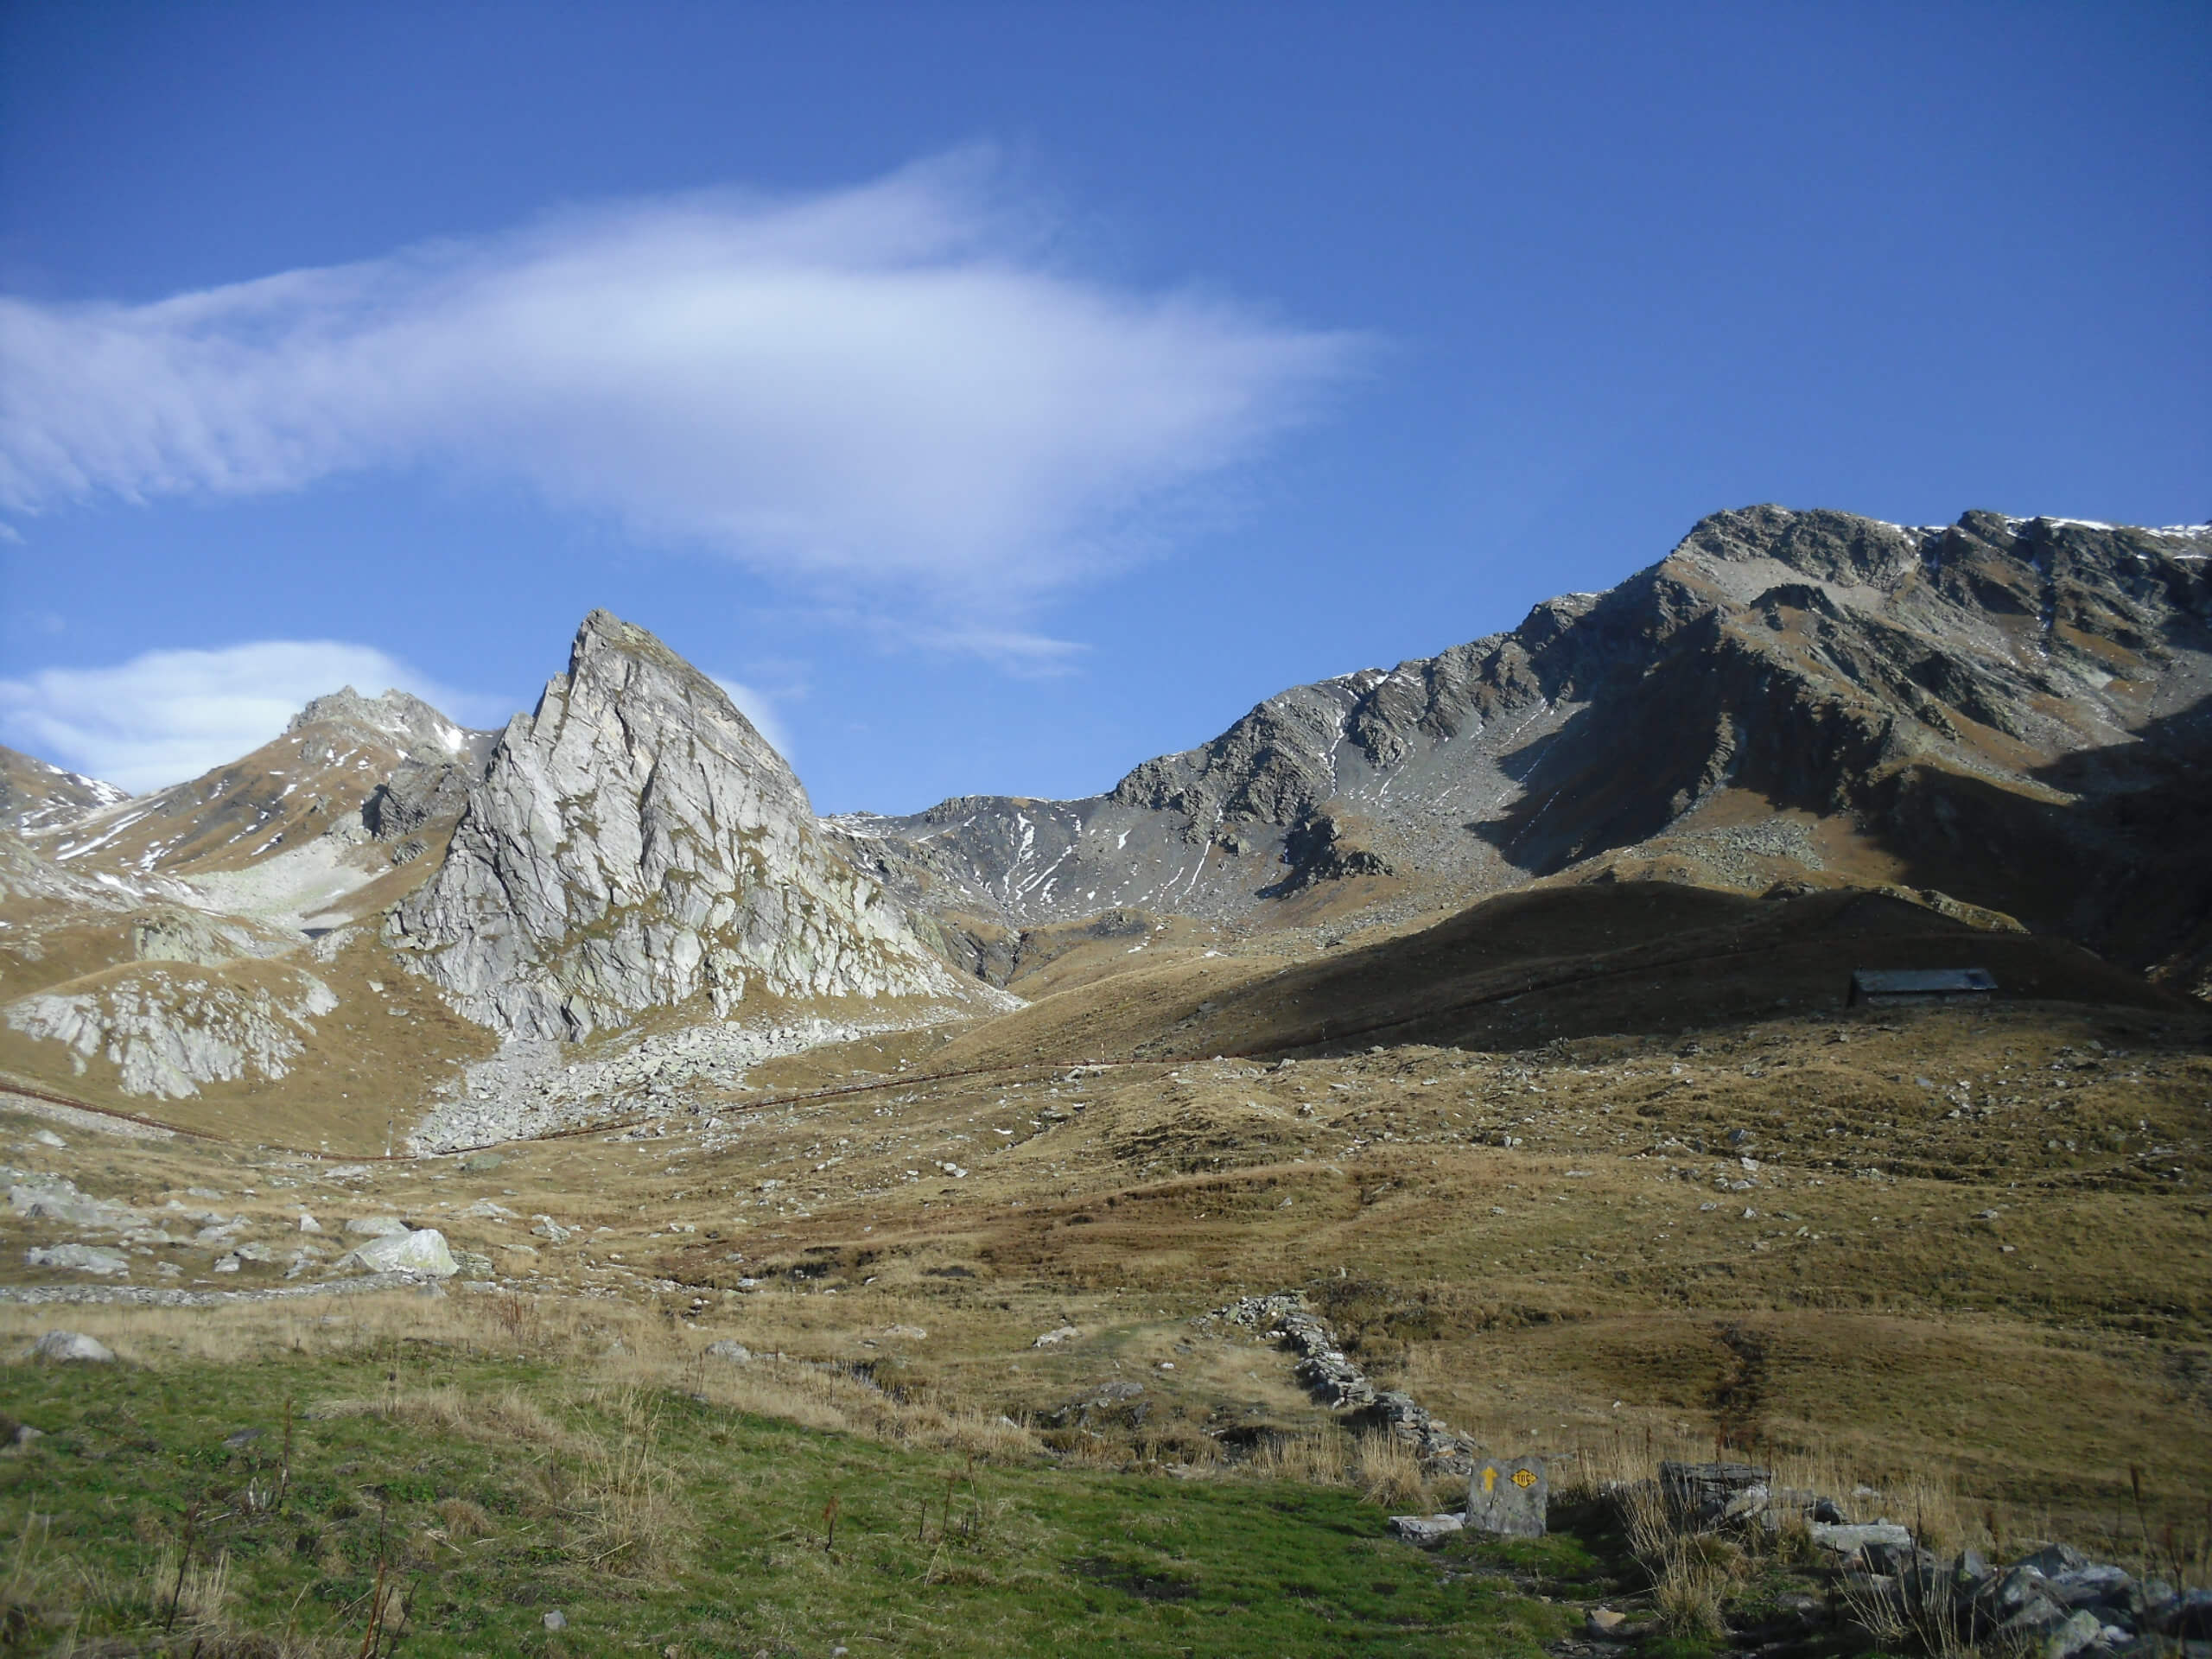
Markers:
(1388, 1472)
(634, 1523)
(1318, 1458)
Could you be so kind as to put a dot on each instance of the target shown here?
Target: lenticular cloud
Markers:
(892, 388)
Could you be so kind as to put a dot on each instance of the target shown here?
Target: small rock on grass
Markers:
(556, 1620)
(735, 1352)
(1426, 1531)
(71, 1347)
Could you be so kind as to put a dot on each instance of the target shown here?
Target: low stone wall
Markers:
(1337, 1384)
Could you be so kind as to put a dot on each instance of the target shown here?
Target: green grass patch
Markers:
(469, 1498)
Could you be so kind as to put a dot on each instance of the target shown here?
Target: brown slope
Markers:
(1547, 963)
(339, 755)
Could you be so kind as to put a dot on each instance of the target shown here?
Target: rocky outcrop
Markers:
(634, 843)
(168, 1032)
(1990, 703)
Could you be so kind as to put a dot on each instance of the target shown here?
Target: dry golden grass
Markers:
(1389, 1474)
(1568, 1295)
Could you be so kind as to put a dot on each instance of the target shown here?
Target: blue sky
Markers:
(1001, 395)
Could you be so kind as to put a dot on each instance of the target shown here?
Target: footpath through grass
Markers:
(451, 1504)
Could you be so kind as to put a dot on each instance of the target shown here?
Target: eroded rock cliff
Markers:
(635, 843)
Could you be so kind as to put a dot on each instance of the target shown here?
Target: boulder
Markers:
(376, 1226)
(2092, 1586)
(2188, 1615)
(80, 1258)
(59, 1200)
(1705, 1494)
(2080, 1631)
(71, 1347)
(422, 1251)
(1848, 1540)
(733, 1353)
(1426, 1531)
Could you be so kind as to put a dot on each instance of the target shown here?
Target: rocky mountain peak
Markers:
(635, 842)
(398, 720)
(617, 665)
(36, 795)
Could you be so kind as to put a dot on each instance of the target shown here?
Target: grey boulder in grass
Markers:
(71, 1347)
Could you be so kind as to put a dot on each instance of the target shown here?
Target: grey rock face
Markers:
(1830, 663)
(405, 723)
(172, 1033)
(634, 843)
(80, 1258)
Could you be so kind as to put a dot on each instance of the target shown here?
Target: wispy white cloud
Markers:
(169, 716)
(757, 706)
(889, 395)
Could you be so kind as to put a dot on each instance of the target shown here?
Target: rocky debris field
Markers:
(531, 1089)
(1872, 1574)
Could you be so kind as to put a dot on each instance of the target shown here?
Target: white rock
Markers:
(308, 1223)
(80, 1258)
(422, 1251)
(48, 1138)
(1053, 1339)
(72, 1346)
(376, 1226)
(735, 1352)
(545, 1227)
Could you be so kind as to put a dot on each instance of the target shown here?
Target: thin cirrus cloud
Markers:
(882, 396)
(168, 715)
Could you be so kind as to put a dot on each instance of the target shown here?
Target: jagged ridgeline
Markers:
(2012, 714)
(2005, 720)
(633, 843)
